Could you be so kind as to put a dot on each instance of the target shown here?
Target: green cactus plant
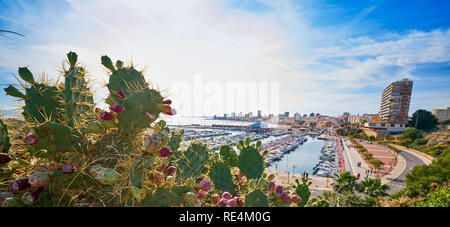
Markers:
(42, 102)
(192, 161)
(256, 198)
(4, 138)
(303, 191)
(56, 137)
(162, 197)
(125, 79)
(251, 162)
(220, 175)
(229, 156)
(77, 97)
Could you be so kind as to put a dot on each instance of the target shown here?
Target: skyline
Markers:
(328, 57)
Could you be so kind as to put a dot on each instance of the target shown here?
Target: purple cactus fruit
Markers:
(167, 101)
(232, 203)
(4, 158)
(19, 184)
(152, 144)
(120, 94)
(201, 194)
(67, 168)
(205, 185)
(223, 203)
(38, 179)
(165, 151)
(279, 189)
(171, 170)
(116, 107)
(31, 138)
(226, 195)
(215, 199)
(33, 196)
(20, 137)
(296, 199)
(240, 201)
(284, 196)
(271, 185)
(106, 116)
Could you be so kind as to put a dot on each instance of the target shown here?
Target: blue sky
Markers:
(327, 56)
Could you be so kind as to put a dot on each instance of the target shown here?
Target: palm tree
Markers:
(345, 183)
(375, 163)
(373, 188)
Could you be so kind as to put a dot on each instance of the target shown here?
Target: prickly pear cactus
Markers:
(192, 161)
(229, 156)
(55, 137)
(77, 97)
(251, 162)
(4, 138)
(162, 197)
(42, 102)
(123, 79)
(220, 175)
(140, 110)
(303, 191)
(256, 198)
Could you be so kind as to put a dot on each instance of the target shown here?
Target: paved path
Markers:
(398, 182)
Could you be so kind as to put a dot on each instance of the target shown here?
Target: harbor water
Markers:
(304, 158)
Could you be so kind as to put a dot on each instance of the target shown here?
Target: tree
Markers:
(424, 120)
(375, 163)
(411, 134)
(419, 180)
(345, 183)
(373, 188)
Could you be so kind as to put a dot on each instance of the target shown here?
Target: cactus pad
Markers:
(192, 161)
(55, 137)
(4, 138)
(220, 175)
(256, 198)
(251, 163)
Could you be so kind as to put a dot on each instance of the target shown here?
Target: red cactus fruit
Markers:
(205, 185)
(106, 116)
(201, 194)
(165, 151)
(67, 168)
(31, 138)
(171, 170)
(279, 189)
(4, 158)
(116, 107)
(296, 199)
(33, 196)
(167, 101)
(226, 195)
(215, 199)
(223, 203)
(232, 203)
(240, 201)
(19, 184)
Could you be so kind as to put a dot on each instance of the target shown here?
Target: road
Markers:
(399, 182)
